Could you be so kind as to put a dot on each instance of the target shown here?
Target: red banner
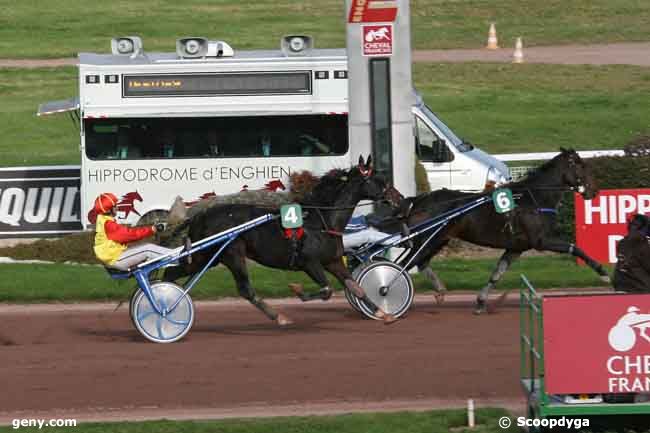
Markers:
(372, 11)
(602, 222)
(597, 344)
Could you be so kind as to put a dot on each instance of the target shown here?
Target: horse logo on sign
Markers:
(126, 205)
(378, 35)
(622, 337)
(378, 40)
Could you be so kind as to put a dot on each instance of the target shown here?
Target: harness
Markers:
(295, 237)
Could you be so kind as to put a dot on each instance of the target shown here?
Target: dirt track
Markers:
(623, 53)
(89, 362)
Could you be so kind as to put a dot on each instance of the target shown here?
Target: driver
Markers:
(111, 238)
(359, 232)
(632, 272)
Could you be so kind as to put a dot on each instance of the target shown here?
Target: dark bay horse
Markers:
(632, 272)
(319, 248)
(529, 226)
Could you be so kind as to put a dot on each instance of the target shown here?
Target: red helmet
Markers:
(105, 202)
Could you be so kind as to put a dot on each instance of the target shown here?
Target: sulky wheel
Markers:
(375, 278)
(352, 300)
(171, 325)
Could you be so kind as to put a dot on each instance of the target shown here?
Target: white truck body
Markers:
(156, 126)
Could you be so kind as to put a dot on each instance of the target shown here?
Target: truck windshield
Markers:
(236, 137)
(457, 142)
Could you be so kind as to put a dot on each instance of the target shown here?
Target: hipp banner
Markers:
(602, 222)
(39, 201)
(597, 344)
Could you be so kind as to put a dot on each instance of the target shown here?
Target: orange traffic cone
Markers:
(493, 42)
(518, 56)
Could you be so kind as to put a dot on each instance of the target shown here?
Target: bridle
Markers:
(580, 185)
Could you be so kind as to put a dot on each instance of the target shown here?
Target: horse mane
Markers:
(328, 186)
(301, 183)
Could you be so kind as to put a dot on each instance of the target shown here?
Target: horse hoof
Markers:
(325, 295)
(296, 288)
(481, 308)
(605, 279)
(283, 320)
(387, 318)
(440, 298)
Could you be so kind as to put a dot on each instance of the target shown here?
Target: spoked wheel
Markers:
(171, 325)
(375, 279)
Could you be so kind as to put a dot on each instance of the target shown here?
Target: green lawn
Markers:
(507, 108)
(65, 27)
(501, 107)
(403, 422)
(30, 140)
(67, 283)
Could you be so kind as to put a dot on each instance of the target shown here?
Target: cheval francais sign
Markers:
(597, 344)
(602, 222)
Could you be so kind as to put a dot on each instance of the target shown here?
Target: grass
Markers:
(508, 108)
(501, 107)
(440, 421)
(65, 27)
(30, 140)
(69, 283)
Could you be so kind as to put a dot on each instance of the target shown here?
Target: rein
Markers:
(341, 207)
(326, 227)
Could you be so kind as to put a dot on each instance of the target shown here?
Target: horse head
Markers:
(374, 186)
(127, 203)
(577, 174)
(274, 185)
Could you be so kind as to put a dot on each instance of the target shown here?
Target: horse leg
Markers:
(338, 269)
(173, 273)
(236, 263)
(423, 260)
(317, 273)
(502, 266)
(439, 287)
(568, 248)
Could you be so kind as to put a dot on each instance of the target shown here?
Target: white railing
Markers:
(542, 156)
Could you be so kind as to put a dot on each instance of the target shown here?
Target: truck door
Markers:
(435, 155)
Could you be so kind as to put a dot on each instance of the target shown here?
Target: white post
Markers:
(401, 91)
(470, 413)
